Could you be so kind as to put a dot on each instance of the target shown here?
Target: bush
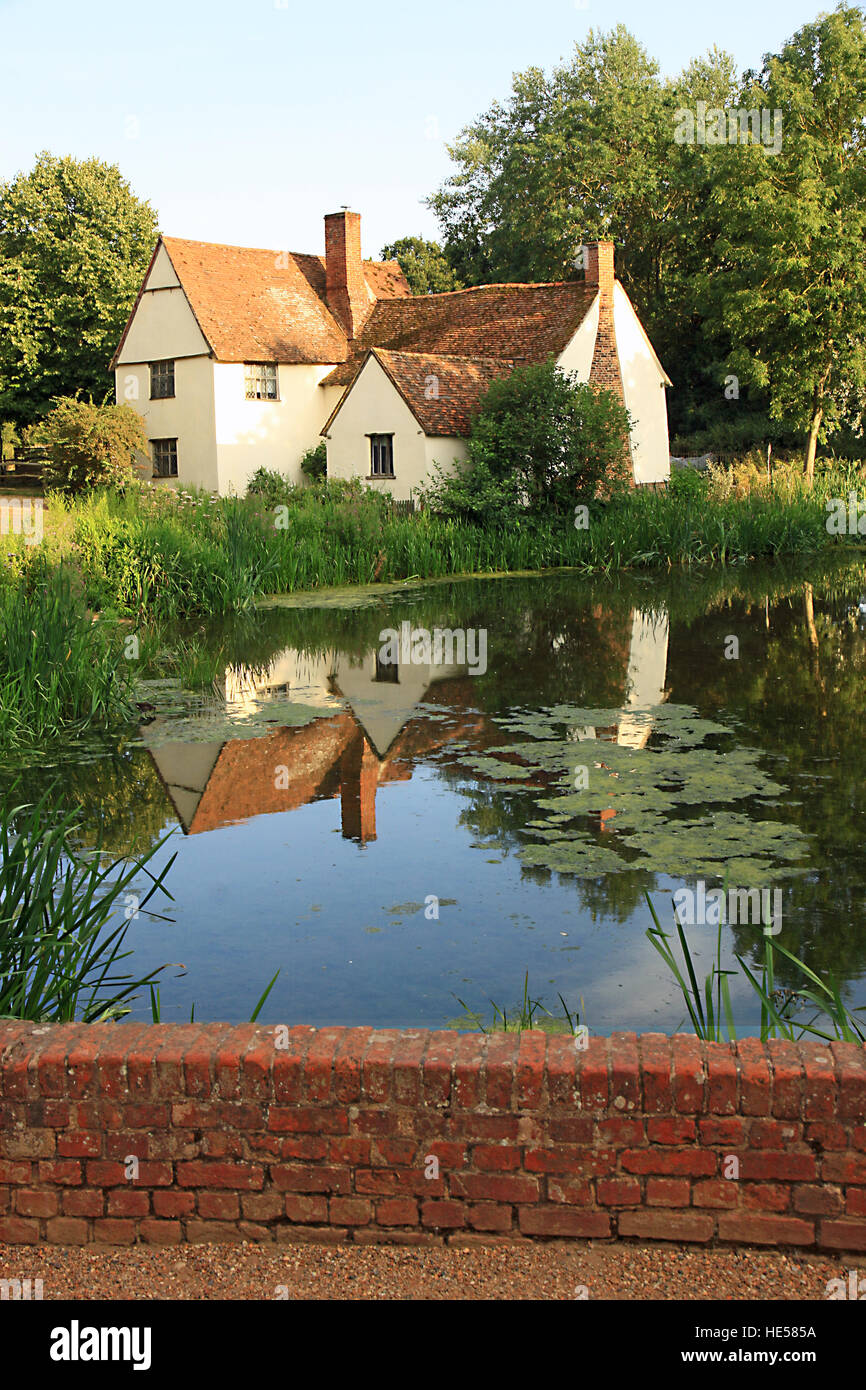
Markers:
(91, 445)
(314, 464)
(272, 487)
(541, 441)
(688, 482)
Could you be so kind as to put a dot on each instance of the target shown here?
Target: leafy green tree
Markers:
(91, 445)
(541, 441)
(74, 246)
(424, 264)
(789, 284)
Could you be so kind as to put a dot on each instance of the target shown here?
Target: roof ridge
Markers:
(498, 285)
(445, 356)
(265, 250)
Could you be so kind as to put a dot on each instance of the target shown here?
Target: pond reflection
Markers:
(392, 833)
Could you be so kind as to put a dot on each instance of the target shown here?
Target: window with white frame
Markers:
(260, 381)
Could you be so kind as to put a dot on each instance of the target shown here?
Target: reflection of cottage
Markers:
(375, 730)
(240, 358)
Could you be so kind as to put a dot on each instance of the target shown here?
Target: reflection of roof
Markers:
(526, 323)
(257, 305)
(443, 393)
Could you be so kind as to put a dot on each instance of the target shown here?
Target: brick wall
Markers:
(118, 1133)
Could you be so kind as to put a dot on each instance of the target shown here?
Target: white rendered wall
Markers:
(266, 434)
(374, 406)
(188, 416)
(643, 386)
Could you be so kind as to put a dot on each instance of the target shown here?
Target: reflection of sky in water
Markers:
(386, 811)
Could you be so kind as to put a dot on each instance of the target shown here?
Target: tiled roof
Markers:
(525, 323)
(268, 306)
(442, 392)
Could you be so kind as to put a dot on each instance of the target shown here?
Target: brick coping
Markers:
(119, 1133)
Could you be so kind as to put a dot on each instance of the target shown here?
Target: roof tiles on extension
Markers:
(442, 392)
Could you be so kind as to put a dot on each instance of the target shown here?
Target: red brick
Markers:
(350, 1211)
(397, 1211)
(247, 1176)
(625, 1090)
(855, 1201)
(842, 1235)
(843, 1168)
(66, 1172)
(79, 1145)
(818, 1201)
(574, 1192)
(787, 1078)
(819, 1085)
(750, 1228)
(618, 1192)
(499, 1158)
(532, 1051)
(714, 1192)
(128, 1202)
(15, 1172)
(593, 1073)
(306, 1208)
(219, 1206)
(666, 1225)
(440, 1215)
(493, 1188)
(172, 1204)
(30, 1203)
(160, 1232)
(693, 1162)
(673, 1130)
(668, 1192)
(688, 1075)
(489, 1216)
(581, 1162)
(786, 1166)
(66, 1230)
(721, 1079)
(499, 1069)
(564, 1221)
(729, 1131)
(577, 1129)
(655, 1052)
(377, 1069)
(766, 1196)
(81, 1201)
(300, 1178)
(755, 1077)
(17, 1231)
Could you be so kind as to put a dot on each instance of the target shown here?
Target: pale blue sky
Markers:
(244, 121)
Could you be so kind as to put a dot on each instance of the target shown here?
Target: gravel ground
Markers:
(490, 1271)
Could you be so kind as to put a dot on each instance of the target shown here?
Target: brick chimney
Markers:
(599, 266)
(346, 288)
(605, 370)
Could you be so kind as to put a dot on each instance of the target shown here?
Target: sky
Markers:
(245, 121)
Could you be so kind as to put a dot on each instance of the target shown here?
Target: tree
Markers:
(423, 263)
(542, 441)
(789, 284)
(91, 445)
(75, 243)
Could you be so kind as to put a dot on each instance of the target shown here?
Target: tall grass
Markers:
(709, 1007)
(59, 952)
(60, 671)
(183, 555)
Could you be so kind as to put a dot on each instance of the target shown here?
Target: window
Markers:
(260, 379)
(387, 672)
(161, 380)
(382, 455)
(164, 458)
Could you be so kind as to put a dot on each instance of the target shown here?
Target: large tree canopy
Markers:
(74, 245)
(423, 263)
(705, 233)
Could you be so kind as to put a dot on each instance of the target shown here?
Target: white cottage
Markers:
(240, 359)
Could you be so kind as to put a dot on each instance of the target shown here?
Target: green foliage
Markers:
(75, 243)
(688, 483)
(59, 951)
(91, 445)
(424, 264)
(710, 1008)
(314, 463)
(792, 298)
(529, 1014)
(60, 672)
(541, 442)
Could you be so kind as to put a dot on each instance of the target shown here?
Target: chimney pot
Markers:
(599, 268)
(345, 286)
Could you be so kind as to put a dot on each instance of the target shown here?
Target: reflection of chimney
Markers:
(359, 778)
(345, 286)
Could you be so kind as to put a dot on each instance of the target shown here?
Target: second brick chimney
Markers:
(346, 288)
(598, 256)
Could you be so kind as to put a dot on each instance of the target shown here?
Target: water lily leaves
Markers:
(642, 769)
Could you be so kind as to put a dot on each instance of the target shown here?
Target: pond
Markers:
(397, 824)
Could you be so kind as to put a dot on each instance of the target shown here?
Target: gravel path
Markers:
(489, 1271)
